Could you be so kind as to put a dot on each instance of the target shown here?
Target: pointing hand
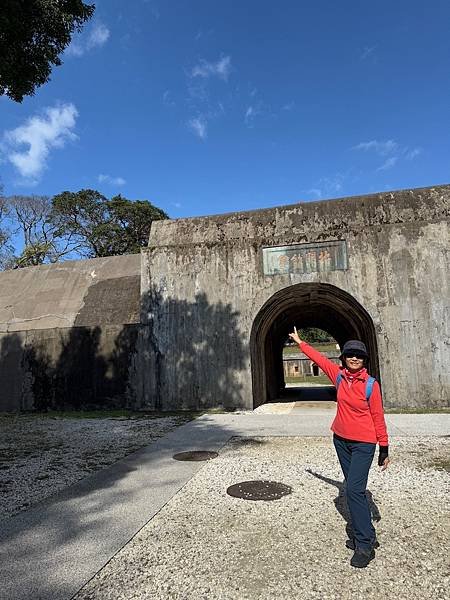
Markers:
(294, 336)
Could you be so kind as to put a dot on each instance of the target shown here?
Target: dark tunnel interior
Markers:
(304, 305)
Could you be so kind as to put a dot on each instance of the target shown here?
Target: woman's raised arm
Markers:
(330, 369)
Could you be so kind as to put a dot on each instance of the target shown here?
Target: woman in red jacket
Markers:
(357, 428)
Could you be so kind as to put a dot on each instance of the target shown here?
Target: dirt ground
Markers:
(205, 544)
(41, 455)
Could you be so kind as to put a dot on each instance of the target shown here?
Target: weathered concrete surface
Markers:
(212, 325)
(72, 293)
(67, 368)
(218, 323)
(68, 334)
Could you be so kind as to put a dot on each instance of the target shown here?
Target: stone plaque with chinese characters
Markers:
(305, 258)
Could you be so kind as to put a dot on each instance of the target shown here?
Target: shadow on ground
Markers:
(71, 535)
(317, 393)
(340, 502)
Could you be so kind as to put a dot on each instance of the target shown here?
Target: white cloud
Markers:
(315, 192)
(368, 52)
(205, 69)
(198, 92)
(153, 9)
(410, 154)
(327, 187)
(167, 99)
(203, 100)
(39, 135)
(199, 126)
(111, 180)
(252, 112)
(388, 164)
(258, 108)
(249, 115)
(289, 106)
(332, 185)
(75, 49)
(389, 149)
(96, 38)
(203, 34)
(381, 148)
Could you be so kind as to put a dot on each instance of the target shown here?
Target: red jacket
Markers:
(356, 419)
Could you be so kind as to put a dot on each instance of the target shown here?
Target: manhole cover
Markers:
(195, 455)
(259, 490)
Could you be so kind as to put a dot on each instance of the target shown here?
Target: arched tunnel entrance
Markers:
(304, 305)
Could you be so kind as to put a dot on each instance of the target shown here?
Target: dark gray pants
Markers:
(355, 459)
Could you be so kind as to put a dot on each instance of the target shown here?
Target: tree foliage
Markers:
(133, 220)
(313, 335)
(82, 224)
(32, 255)
(33, 34)
(104, 227)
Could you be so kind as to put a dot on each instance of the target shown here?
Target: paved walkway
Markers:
(53, 549)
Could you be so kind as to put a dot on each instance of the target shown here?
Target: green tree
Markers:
(82, 214)
(32, 255)
(133, 220)
(313, 335)
(104, 227)
(33, 34)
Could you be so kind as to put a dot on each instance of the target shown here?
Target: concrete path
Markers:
(53, 549)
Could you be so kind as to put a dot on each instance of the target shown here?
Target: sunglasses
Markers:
(354, 355)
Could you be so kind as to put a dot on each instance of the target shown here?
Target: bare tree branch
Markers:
(43, 238)
(6, 248)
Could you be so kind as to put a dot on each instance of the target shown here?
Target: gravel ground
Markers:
(40, 455)
(205, 544)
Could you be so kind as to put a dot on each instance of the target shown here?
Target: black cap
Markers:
(354, 346)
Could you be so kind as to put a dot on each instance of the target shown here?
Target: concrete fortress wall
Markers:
(216, 321)
(68, 333)
(198, 321)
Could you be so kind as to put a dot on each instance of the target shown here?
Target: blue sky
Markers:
(204, 107)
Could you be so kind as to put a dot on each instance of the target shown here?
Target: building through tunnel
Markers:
(318, 305)
(304, 381)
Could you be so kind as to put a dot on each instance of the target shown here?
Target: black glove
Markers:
(384, 453)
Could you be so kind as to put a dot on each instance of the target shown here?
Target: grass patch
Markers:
(326, 347)
(113, 414)
(417, 411)
(322, 379)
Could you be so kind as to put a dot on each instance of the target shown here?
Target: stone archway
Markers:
(305, 305)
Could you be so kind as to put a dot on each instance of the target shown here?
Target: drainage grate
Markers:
(195, 455)
(259, 490)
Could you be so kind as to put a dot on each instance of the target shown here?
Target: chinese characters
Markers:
(305, 258)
